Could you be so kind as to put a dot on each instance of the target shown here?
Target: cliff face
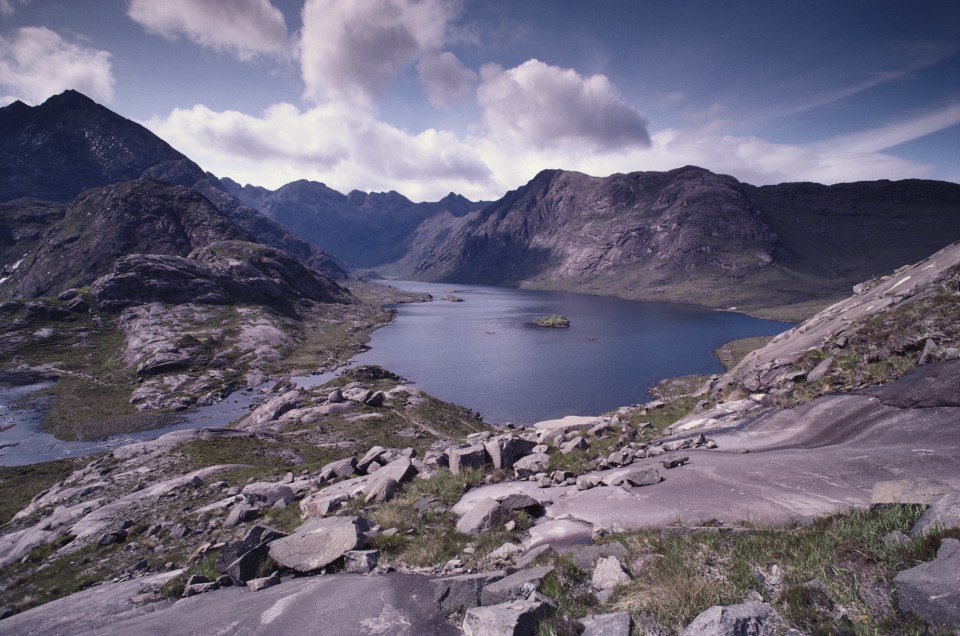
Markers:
(689, 235)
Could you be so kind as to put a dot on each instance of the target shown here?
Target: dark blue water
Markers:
(485, 353)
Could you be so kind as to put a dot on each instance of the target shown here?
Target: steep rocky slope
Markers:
(70, 144)
(690, 235)
(363, 229)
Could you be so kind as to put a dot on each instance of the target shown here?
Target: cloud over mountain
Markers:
(445, 78)
(37, 62)
(242, 28)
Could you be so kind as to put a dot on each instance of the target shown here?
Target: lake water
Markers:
(484, 353)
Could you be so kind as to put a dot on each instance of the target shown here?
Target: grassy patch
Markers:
(731, 353)
(555, 321)
(20, 484)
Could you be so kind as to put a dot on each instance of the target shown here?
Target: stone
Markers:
(620, 458)
(932, 590)
(381, 490)
(263, 583)
(360, 561)
(370, 457)
(520, 501)
(240, 513)
(944, 514)
(615, 624)
(575, 444)
(518, 618)
(268, 493)
(504, 450)
(480, 517)
(634, 477)
(505, 551)
(200, 588)
(319, 542)
(531, 464)
(818, 372)
(909, 491)
(752, 618)
(473, 456)
(675, 462)
(335, 396)
(376, 400)
(272, 409)
(586, 482)
(516, 586)
(241, 560)
(115, 536)
(339, 469)
(587, 556)
(528, 557)
(357, 394)
(457, 593)
(321, 504)
(608, 574)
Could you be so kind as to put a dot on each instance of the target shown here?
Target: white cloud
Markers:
(243, 28)
(898, 132)
(9, 7)
(354, 50)
(36, 63)
(339, 144)
(445, 77)
(549, 106)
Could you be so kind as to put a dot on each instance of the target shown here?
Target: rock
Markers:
(455, 594)
(360, 561)
(674, 463)
(531, 555)
(518, 618)
(241, 560)
(517, 585)
(932, 590)
(270, 410)
(335, 396)
(505, 551)
(577, 443)
(240, 513)
(115, 536)
(818, 372)
(268, 493)
(608, 574)
(504, 450)
(929, 352)
(531, 464)
(586, 482)
(200, 588)
(321, 504)
(520, 501)
(381, 490)
(466, 457)
(480, 517)
(895, 538)
(909, 491)
(376, 400)
(634, 477)
(372, 455)
(615, 624)
(944, 513)
(752, 618)
(341, 468)
(620, 458)
(263, 583)
(319, 542)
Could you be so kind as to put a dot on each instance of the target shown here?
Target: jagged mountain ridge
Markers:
(70, 144)
(363, 229)
(689, 235)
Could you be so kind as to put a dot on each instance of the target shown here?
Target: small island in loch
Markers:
(557, 322)
(450, 298)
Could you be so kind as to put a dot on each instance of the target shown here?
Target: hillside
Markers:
(689, 235)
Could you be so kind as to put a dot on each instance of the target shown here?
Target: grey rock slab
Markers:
(334, 605)
(559, 533)
(320, 505)
(608, 574)
(341, 468)
(634, 476)
(527, 558)
(517, 618)
(505, 450)
(461, 458)
(319, 542)
(360, 561)
(615, 624)
(818, 372)
(461, 592)
(944, 513)
(909, 491)
(586, 556)
(270, 410)
(256, 585)
(480, 517)
(932, 590)
(381, 490)
(268, 492)
(517, 585)
(752, 618)
(531, 464)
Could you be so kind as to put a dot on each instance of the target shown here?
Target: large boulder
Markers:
(752, 618)
(504, 450)
(944, 513)
(516, 586)
(241, 560)
(270, 410)
(932, 590)
(461, 592)
(517, 618)
(473, 456)
(480, 517)
(615, 624)
(320, 542)
(531, 464)
(608, 574)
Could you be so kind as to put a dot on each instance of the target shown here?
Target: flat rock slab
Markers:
(516, 586)
(754, 618)
(517, 618)
(337, 605)
(461, 592)
(932, 590)
(615, 624)
(559, 533)
(319, 542)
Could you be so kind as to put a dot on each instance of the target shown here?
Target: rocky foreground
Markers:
(798, 493)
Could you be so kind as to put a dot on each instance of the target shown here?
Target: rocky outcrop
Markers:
(755, 618)
(932, 590)
(319, 542)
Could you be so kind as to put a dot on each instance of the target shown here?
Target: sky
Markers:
(428, 97)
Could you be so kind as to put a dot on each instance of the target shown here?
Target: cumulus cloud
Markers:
(548, 106)
(36, 63)
(345, 147)
(242, 28)
(354, 50)
(445, 77)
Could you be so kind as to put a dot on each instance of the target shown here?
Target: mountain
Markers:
(689, 235)
(363, 229)
(70, 144)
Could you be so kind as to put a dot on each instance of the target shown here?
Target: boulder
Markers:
(480, 517)
(375, 400)
(473, 456)
(932, 590)
(944, 513)
(360, 561)
(263, 583)
(458, 593)
(575, 444)
(531, 464)
(520, 501)
(339, 469)
(516, 586)
(322, 503)
(818, 372)
(372, 455)
(634, 477)
(272, 409)
(381, 490)
(240, 513)
(608, 574)
(504, 450)
(319, 542)
(615, 624)
(517, 618)
(909, 491)
(753, 618)
(241, 560)
(268, 493)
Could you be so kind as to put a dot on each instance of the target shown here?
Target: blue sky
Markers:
(431, 96)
